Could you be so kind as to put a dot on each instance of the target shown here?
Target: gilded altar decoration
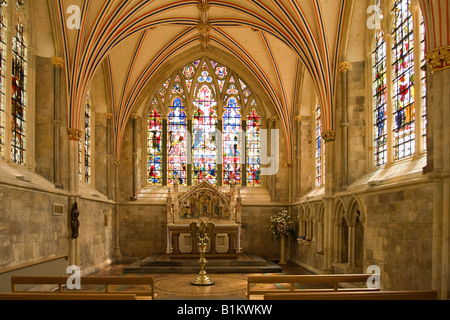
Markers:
(203, 233)
(439, 59)
(205, 201)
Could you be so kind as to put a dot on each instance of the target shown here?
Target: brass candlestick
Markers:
(202, 233)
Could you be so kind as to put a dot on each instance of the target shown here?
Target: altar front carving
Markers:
(206, 203)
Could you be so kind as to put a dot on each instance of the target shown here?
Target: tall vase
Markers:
(283, 249)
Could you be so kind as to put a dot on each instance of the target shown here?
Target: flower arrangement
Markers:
(282, 224)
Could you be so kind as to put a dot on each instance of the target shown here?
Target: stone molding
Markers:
(58, 62)
(74, 134)
(439, 59)
(329, 136)
(344, 66)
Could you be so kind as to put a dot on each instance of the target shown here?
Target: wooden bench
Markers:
(288, 284)
(376, 295)
(100, 285)
(35, 296)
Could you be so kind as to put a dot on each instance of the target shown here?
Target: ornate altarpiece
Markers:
(206, 203)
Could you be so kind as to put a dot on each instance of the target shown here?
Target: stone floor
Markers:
(178, 286)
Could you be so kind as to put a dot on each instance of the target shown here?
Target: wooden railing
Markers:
(54, 266)
(32, 264)
(100, 285)
(369, 296)
(315, 283)
(63, 296)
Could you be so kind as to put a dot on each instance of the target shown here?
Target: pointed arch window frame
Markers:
(220, 79)
(401, 145)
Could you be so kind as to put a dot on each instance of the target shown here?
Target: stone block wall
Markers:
(28, 229)
(398, 236)
(143, 231)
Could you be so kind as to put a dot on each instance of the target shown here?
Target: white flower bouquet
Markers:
(282, 224)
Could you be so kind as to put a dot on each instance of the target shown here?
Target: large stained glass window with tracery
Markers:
(201, 145)
(253, 149)
(18, 99)
(232, 146)
(155, 149)
(205, 136)
(404, 93)
(177, 143)
(380, 100)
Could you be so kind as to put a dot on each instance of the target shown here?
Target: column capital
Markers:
(290, 164)
(344, 66)
(329, 136)
(439, 58)
(58, 62)
(109, 116)
(74, 134)
(117, 162)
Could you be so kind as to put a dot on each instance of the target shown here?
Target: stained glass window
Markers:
(319, 145)
(205, 136)
(2, 81)
(155, 150)
(18, 101)
(87, 142)
(404, 94)
(199, 147)
(177, 144)
(380, 100)
(253, 149)
(424, 82)
(232, 127)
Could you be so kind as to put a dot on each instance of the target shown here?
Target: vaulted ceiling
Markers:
(137, 40)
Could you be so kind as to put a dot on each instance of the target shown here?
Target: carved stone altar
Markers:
(204, 203)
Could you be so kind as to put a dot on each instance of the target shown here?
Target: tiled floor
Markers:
(178, 286)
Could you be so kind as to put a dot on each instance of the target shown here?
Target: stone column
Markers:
(298, 157)
(219, 153)
(344, 68)
(329, 137)
(74, 140)
(165, 149)
(117, 250)
(189, 152)
(272, 126)
(351, 244)
(438, 61)
(337, 240)
(244, 173)
(58, 64)
(109, 155)
(135, 156)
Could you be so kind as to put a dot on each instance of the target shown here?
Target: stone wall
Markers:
(28, 229)
(143, 231)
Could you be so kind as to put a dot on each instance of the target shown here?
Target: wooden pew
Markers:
(36, 296)
(355, 296)
(335, 283)
(105, 284)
